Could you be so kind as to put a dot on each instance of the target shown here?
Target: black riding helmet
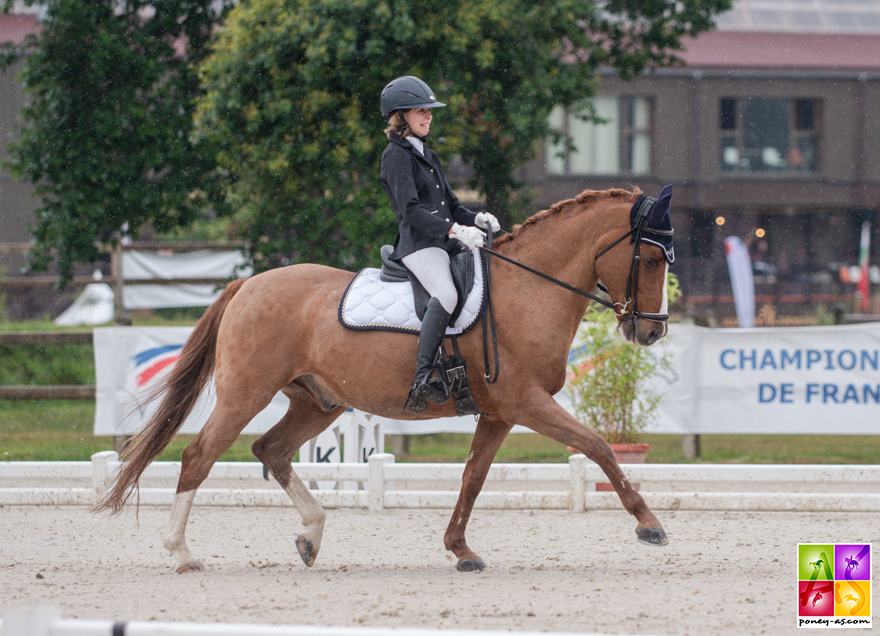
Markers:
(407, 92)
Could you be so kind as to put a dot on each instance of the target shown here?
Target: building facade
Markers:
(769, 132)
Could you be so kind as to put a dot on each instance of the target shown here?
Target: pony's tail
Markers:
(182, 388)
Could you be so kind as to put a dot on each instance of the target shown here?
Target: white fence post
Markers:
(377, 479)
(325, 448)
(364, 437)
(101, 477)
(578, 481)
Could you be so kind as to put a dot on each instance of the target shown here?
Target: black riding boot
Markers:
(425, 387)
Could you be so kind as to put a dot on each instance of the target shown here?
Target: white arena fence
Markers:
(372, 485)
(47, 621)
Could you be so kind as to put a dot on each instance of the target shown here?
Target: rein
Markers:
(632, 283)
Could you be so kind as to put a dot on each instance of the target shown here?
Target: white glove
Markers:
(470, 236)
(484, 220)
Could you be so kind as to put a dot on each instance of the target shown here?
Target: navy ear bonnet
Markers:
(658, 220)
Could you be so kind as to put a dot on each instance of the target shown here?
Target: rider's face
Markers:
(419, 120)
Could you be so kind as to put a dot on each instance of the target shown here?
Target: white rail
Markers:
(47, 621)
(380, 473)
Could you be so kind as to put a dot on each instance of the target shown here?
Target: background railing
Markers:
(376, 485)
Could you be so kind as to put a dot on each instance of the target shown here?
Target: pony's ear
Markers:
(659, 220)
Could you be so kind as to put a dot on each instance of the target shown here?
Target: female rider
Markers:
(430, 220)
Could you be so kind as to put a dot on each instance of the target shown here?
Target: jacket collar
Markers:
(403, 143)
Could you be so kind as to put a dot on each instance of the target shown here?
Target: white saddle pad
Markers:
(371, 303)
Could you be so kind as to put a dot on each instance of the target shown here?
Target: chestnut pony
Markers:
(279, 331)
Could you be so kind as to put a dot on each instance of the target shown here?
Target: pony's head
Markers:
(634, 271)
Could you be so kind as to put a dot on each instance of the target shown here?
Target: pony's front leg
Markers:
(488, 437)
(544, 415)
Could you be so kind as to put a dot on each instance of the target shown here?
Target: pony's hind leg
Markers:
(304, 420)
(217, 435)
(488, 437)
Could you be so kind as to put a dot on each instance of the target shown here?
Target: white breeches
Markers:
(431, 266)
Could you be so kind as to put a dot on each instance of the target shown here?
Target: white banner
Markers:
(797, 380)
(142, 265)
(794, 380)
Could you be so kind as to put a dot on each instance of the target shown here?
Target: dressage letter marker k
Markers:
(326, 457)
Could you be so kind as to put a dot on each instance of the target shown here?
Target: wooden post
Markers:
(400, 445)
(690, 446)
(120, 316)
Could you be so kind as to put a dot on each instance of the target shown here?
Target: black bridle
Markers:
(638, 227)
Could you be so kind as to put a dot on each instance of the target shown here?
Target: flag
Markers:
(864, 250)
(741, 280)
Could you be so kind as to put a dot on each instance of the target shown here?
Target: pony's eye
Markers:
(652, 262)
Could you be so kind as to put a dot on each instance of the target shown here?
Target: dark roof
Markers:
(14, 28)
(785, 51)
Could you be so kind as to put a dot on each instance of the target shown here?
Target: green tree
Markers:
(105, 131)
(292, 91)
(610, 378)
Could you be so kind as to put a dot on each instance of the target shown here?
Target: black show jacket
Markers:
(421, 197)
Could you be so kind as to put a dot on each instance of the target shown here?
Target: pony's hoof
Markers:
(471, 565)
(652, 536)
(192, 566)
(306, 550)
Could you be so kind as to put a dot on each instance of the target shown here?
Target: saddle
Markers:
(461, 263)
(451, 368)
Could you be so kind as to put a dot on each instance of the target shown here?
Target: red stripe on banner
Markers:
(147, 375)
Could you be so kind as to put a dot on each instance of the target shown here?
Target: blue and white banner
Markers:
(129, 361)
(798, 380)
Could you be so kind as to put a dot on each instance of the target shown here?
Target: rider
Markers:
(429, 217)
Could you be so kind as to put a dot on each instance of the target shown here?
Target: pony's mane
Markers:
(587, 197)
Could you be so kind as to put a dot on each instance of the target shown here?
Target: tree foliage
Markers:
(105, 131)
(288, 135)
(610, 379)
(292, 92)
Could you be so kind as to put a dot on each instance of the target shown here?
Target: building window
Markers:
(619, 144)
(769, 135)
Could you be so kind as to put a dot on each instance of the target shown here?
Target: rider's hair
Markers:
(397, 125)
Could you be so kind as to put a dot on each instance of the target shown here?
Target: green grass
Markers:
(61, 430)
(729, 449)
(57, 430)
